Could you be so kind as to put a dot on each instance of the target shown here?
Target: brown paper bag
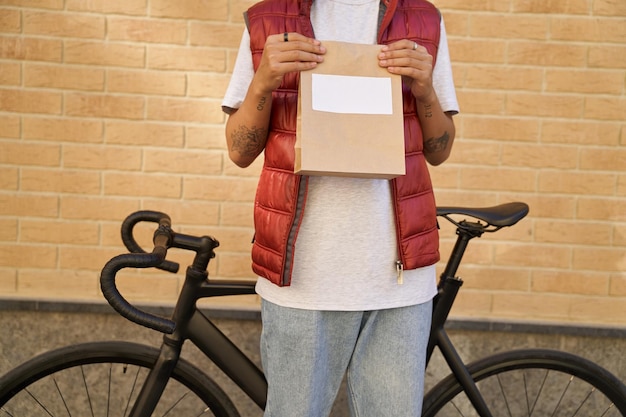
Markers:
(350, 117)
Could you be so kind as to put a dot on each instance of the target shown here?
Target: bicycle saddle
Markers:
(501, 215)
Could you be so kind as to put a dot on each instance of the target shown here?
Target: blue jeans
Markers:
(306, 353)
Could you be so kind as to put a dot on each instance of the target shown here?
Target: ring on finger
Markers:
(414, 46)
(286, 37)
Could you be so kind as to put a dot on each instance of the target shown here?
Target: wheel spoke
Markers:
(82, 370)
(506, 402)
(62, 397)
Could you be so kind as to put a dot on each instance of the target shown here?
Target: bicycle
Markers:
(129, 379)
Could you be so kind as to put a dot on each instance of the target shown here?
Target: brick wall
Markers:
(110, 106)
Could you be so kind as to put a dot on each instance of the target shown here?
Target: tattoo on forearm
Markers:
(261, 104)
(249, 141)
(428, 110)
(439, 144)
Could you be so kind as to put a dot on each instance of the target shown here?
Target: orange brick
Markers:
(190, 9)
(184, 212)
(109, 54)
(551, 6)
(41, 4)
(9, 178)
(605, 108)
(143, 133)
(63, 24)
(142, 185)
(8, 230)
(162, 287)
(9, 126)
(582, 132)
(442, 176)
(570, 282)
(487, 152)
(619, 234)
(572, 232)
(601, 209)
(481, 102)
(131, 7)
(548, 206)
(513, 26)
(492, 6)
(599, 259)
(63, 77)
(10, 21)
(217, 189)
(470, 303)
(546, 256)
(124, 107)
(97, 208)
(223, 35)
(63, 130)
(585, 81)
(29, 205)
(147, 30)
(65, 284)
(146, 82)
(532, 306)
(495, 279)
(546, 54)
(539, 156)
(8, 281)
(208, 85)
(608, 56)
(500, 128)
(17, 153)
(205, 137)
(185, 110)
(522, 104)
(576, 183)
(593, 309)
(59, 232)
(102, 157)
(89, 258)
(457, 23)
(26, 101)
(33, 49)
(10, 74)
(508, 179)
(510, 78)
(28, 256)
(186, 58)
(611, 8)
(476, 51)
(183, 162)
(607, 159)
(60, 181)
(233, 265)
(597, 29)
(618, 285)
(237, 214)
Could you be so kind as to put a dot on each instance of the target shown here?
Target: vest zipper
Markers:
(400, 272)
(293, 231)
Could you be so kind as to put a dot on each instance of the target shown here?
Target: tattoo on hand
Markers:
(434, 145)
(249, 141)
(261, 104)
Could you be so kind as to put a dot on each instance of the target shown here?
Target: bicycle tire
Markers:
(532, 382)
(85, 379)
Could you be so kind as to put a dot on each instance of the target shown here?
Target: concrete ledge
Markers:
(253, 313)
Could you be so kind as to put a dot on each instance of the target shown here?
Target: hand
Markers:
(414, 63)
(280, 56)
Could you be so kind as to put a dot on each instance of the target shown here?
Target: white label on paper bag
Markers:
(348, 94)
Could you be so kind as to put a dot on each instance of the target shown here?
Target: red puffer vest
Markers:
(281, 195)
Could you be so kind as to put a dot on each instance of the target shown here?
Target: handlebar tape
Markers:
(119, 303)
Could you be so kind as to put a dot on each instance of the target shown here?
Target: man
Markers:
(346, 265)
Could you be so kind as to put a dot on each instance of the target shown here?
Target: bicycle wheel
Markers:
(103, 379)
(533, 382)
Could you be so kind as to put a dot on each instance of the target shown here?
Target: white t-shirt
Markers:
(346, 252)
